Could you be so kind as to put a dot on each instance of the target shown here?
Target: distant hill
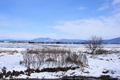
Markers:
(55, 40)
(43, 40)
(115, 40)
(71, 40)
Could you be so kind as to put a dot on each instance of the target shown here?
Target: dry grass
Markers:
(103, 51)
(8, 51)
(50, 59)
(36, 51)
(56, 51)
(74, 59)
(54, 56)
(48, 50)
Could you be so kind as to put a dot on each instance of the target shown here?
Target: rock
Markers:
(21, 72)
(8, 74)
(17, 73)
(1, 75)
(4, 70)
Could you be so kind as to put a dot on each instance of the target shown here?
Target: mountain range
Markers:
(56, 40)
(115, 40)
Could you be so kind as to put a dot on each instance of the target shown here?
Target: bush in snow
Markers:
(67, 58)
(93, 44)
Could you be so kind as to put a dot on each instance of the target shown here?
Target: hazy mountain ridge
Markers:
(115, 40)
(55, 40)
(43, 40)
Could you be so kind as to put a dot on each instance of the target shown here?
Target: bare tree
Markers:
(93, 44)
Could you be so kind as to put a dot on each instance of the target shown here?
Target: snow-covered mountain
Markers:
(115, 40)
(55, 40)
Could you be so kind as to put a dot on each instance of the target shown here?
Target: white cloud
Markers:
(104, 6)
(81, 8)
(116, 6)
(106, 27)
(115, 2)
(116, 10)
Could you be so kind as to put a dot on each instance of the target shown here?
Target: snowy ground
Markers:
(104, 64)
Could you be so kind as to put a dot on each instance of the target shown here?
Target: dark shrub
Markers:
(102, 51)
(107, 77)
(37, 70)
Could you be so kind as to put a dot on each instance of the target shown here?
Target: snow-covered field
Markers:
(97, 65)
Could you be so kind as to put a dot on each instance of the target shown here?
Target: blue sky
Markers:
(70, 19)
